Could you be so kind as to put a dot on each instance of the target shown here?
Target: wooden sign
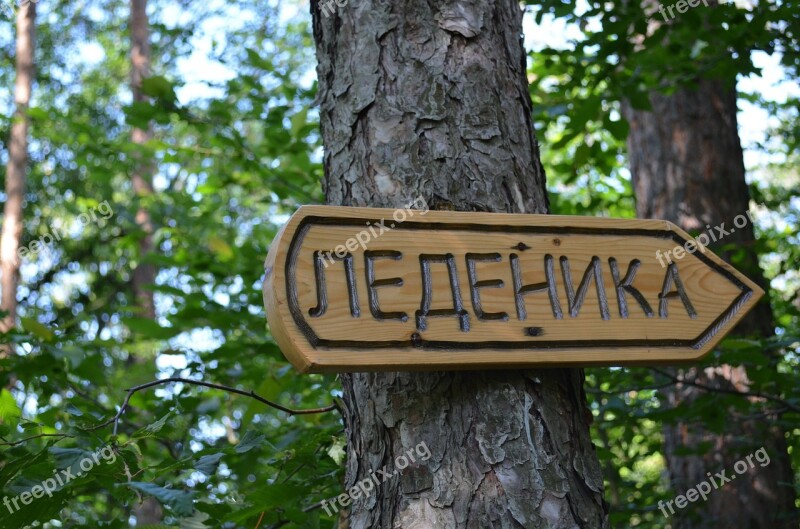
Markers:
(361, 289)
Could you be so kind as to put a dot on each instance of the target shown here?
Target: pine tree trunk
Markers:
(687, 167)
(430, 100)
(17, 166)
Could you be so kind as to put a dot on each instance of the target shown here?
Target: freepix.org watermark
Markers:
(703, 489)
(702, 240)
(44, 242)
(60, 478)
(362, 238)
(681, 6)
(367, 485)
(328, 7)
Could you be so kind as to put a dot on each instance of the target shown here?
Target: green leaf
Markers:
(151, 429)
(299, 121)
(181, 502)
(150, 328)
(251, 439)
(160, 88)
(20, 459)
(139, 113)
(195, 521)
(72, 410)
(8, 406)
(619, 129)
(74, 354)
(40, 331)
(581, 155)
(38, 113)
(584, 111)
(208, 464)
(255, 59)
(68, 457)
(221, 248)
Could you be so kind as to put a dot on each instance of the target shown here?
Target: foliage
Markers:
(229, 165)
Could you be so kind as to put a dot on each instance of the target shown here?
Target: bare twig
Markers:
(59, 435)
(598, 391)
(75, 389)
(704, 387)
(252, 394)
(314, 506)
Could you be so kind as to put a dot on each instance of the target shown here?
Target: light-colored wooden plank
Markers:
(322, 316)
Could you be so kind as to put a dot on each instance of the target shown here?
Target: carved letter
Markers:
(663, 297)
(574, 301)
(425, 310)
(373, 284)
(520, 290)
(475, 285)
(322, 294)
(624, 286)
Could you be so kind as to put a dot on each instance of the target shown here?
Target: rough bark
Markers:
(687, 166)
(144, 274)
(430, 100)
(16, 168)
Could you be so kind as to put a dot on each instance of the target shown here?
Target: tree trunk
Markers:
(687, 167)
(144, 274)
(15, 171)
(430, 99)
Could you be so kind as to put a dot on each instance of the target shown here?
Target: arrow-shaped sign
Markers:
(360, 289)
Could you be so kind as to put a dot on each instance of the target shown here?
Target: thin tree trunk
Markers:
(17, 166)
(687, 167)
(430, 99)
(149, 511)
(145, 273)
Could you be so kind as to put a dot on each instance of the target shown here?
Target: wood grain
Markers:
(502, 291)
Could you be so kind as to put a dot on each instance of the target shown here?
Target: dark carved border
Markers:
(439, 345)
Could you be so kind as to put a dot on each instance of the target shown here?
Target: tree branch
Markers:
(15, 443)
(314, 506)
(704, 387)
(598, 391)
(252, 394)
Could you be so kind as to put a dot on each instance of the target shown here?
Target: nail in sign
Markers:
(451, 290)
